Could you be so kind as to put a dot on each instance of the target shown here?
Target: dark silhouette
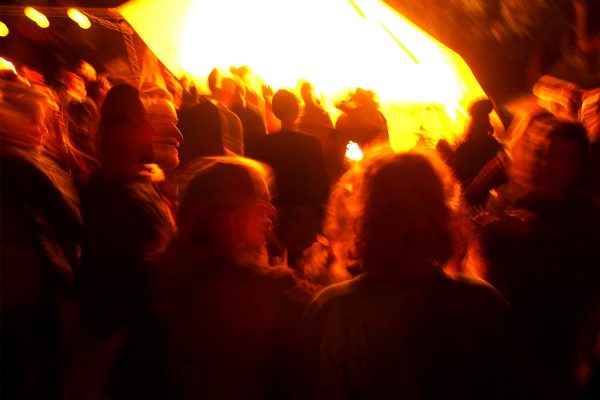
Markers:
(479, 146)
(300, 177)
(315, 120)
(404, 328)
(40, 228)
(252, 120)
(361, 121)
(127, 227)
(209, 128)
(232, 319)
(540, 236)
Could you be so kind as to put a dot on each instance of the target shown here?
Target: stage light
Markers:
(79, 18)
(3, 29)
(37, 17)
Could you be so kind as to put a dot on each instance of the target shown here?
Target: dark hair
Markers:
(407, 221)
(527, 151)
(122, 120)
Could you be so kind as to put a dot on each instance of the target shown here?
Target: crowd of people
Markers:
(160, 243)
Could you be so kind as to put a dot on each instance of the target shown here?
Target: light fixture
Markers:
(3, 29)
(37, 17)
(80, 18)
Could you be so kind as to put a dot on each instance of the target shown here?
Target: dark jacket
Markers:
(382, 337)
(231, 327)
(297, 161)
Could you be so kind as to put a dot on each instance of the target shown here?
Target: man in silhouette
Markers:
(300, 177)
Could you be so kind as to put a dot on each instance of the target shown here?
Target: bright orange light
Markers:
(7, 65)
(3, 29)
(353, 151)
(337, 45)
(79, 18)
(37, 17)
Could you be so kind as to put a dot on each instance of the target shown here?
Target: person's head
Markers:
(480, 124)
(402, 210)
(549, 159)
(162, 115)
(230, 91)
(214, 82)
(286, 107)
(124, 134)
(364, 98)
(26, 112)
(97, 89)
(226, 206)
(307, 93)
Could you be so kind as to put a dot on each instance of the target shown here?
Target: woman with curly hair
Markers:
(404, 327)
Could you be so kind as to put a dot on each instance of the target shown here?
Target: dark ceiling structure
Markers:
(507, 43)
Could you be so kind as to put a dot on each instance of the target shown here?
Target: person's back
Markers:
(228, 328)
(541, 245)
(127, 226)
(479, 147)
(301, 180)
(201, 128)
(429, 338)
(405, 328)
(253, 125)
(297, 162)
(40, 227)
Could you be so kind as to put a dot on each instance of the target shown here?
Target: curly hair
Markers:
(399, 214)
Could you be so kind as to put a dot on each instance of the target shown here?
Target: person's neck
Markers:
(289, 125)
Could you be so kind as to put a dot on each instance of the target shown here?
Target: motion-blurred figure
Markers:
(300, 177)
(231, 319)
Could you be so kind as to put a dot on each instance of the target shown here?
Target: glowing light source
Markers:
(353, 151)
(336, 45)
(80, 18)
(3, 29)
(6, 65)
(37, 17)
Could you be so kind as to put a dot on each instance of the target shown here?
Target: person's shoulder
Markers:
(303, 139)
(475, 293)
(267, 141)
(338, 294)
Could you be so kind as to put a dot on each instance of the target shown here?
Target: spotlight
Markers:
(79, 17)
(37, 17)
(3, 29)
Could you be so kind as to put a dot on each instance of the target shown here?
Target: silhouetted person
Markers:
(208, 127)
(541, 238)
(361, 121)
(479, 146)
(314, 119)
(127, 227)
(300, 177)
(231, 318)
(404, 328)
(40, 229)
(252, 121)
